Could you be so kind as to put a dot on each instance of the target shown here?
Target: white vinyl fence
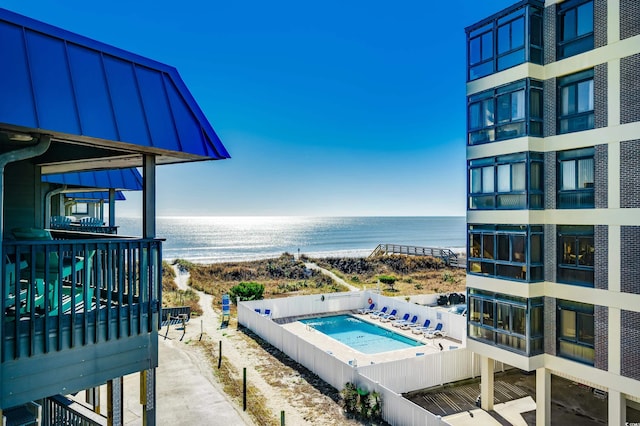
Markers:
(390, 379)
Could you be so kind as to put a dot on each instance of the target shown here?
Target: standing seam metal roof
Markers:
(67, 84)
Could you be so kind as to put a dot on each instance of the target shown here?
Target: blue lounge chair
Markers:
(365, 311)
(436, 332)
(267, 313)
(421, 329)
(401, 321)
(378, 314)
(412, 323)
(389, 317)
(258, 311)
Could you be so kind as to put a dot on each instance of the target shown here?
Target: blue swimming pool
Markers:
(360, 335)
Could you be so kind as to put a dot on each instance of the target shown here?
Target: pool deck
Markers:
(348, 355)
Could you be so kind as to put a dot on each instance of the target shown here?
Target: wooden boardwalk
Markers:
(449, 257)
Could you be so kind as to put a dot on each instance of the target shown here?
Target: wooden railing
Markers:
(59, 410)
(52, 285)
(447, 255)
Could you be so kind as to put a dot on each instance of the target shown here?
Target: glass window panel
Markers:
(487, 313)
(585, 173)
(567, 325)
(586, 251)
(504, 108)
(517, 33)
(503, 247)
(518, 248)
(503, 317)
(586, 329)
(487, 46)
(568, 255)
(487, 180)
(536, 176)
(568, 100)
(585, 19)
(536, 30)
(517, 105)
(537, 321)
(569, 25)
(474, 50)
(504, 39)
(487, 247)
(487, 111)
(568, 170)
(476, 180)
(536, 248)
(585, 96)
(518, 177)
(476, 245)
(518, 321)
(536, 104)
(475, 119)
(504, 178)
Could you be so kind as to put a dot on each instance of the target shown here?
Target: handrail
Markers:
(447, 255)
(62, 411)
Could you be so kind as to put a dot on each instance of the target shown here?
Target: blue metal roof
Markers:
(120, 179)
(85, 91)
(95, 195)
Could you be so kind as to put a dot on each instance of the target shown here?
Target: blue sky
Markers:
(327, 108)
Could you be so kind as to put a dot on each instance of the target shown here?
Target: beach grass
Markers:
(173, 296)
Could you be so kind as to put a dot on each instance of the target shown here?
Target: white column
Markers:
(617, 408)
(486, 382)
(543, 397)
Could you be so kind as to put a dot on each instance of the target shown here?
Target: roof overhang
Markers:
(104, 107)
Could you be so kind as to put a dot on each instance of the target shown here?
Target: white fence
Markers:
(390, 379)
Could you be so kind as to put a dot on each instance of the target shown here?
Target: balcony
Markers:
(78, 310)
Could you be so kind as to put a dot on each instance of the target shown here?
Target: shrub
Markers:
(361, 404)
(387, 279)
(246, 291)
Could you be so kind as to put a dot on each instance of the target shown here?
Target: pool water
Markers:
(360, 335)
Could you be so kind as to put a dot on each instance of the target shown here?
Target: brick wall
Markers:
(550, 114)
(629, 18)
(630, 348)
(600, 95)
(549, 34)
(629, 175)
(550, 177)
(601, 337)
(599, 23)
(550, 250)
(550, 326)
(629, 255)
(601, 258)
(629, 89)
(601, 169)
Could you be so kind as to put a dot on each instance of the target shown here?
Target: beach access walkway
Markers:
(333, 276)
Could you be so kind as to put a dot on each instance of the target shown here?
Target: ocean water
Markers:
(222, 239)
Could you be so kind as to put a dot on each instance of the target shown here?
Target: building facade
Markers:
(553, 210)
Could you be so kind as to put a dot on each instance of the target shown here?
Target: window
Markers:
(576, 179)
(501, 41)
(576, 253)
(510, 111)
(576, 102)
(80, 208)
(514, 323)
(506, 251)
(575, 28)
(503, 182)
(576, 331)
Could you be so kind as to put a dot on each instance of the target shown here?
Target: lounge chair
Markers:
(389, 317)
(401, 321)
(365, 311)
(378, 314)
(421, 329)
(267, 313)
(435, 332)
(258, 311)
(412, 323)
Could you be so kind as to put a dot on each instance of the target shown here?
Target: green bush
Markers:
(246, 291)
(387, 279)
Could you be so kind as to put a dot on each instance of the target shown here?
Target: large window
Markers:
(576, 179)
(575, 27)
(576, 102)
(509, 38)
(514, 323)
(507, 112)
(80, 208)
(506, 251)
(512, 181)
(576, 254)
(576, 331)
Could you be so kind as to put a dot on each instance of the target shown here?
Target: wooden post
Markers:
(244, 389)
(282, 418)
(220, 354)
